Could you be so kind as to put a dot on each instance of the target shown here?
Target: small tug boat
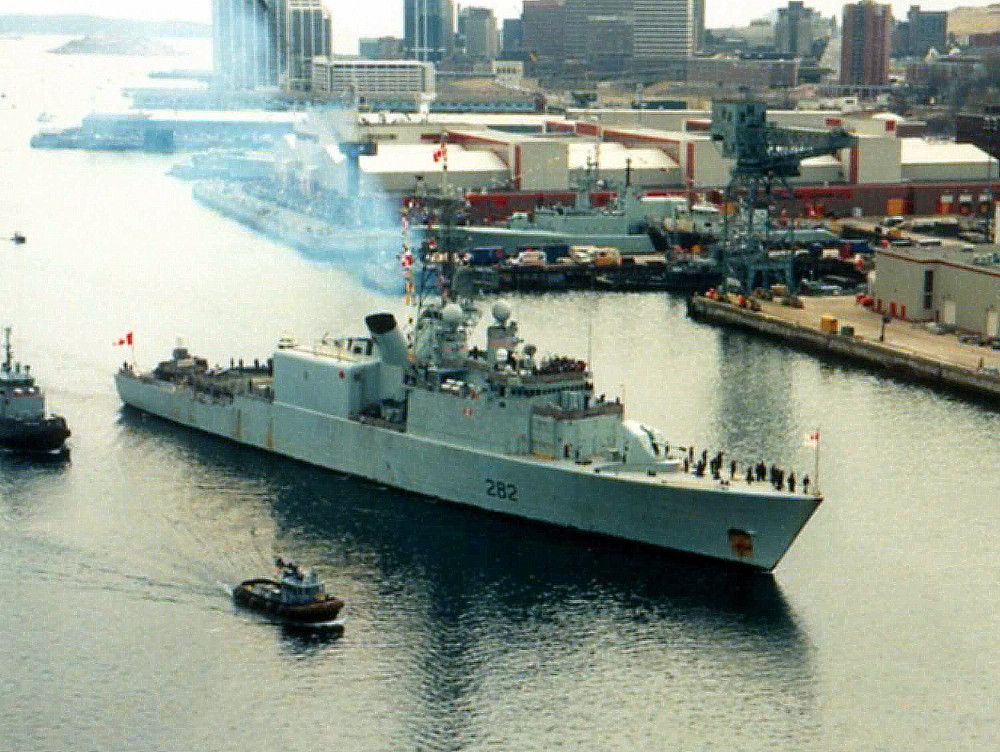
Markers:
(25, 427)
(296, 598)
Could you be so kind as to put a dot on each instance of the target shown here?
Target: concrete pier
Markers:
(909, 350)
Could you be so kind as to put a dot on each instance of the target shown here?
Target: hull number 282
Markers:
(500, 490)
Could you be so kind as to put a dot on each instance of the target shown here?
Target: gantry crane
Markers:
(764, 154)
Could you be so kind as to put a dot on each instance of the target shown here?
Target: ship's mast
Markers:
(8, 353)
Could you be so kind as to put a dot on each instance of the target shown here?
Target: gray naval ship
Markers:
(494, 427)
(631, 223)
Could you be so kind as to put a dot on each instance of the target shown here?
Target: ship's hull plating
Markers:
(42, 436)
(664, 511)
(512, 239)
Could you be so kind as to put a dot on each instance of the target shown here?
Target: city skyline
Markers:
(385, 17)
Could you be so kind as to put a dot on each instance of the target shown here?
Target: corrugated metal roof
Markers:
(417, 158)
(613, 156)
(923, 151)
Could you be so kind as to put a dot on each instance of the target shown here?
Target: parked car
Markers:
(530, 258)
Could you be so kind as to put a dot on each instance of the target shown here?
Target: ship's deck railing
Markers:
(507, 375)
(591, 411)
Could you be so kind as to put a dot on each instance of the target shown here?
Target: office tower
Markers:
(864, 46)
(698, 24)
(245, 43)
(306, 36)
(478, 27)
(511, 39)
(577, 18)
(262, 43)
(664, 29)
(428, 29)
(925, 30)
(793, 31)
(544, 27)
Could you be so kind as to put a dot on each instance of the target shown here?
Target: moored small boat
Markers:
(298, 597)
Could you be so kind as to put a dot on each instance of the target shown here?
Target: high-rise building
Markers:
(609, 43)
(864, 45)
(262, 43)
(307, 35)
(698, 24)
(616, 35)
(925, 30)
(664, 29)
(793, 31)
(544, 29)
(428, 29)
(245, 43)
(512, 39)
(478, 28)
(578, 15)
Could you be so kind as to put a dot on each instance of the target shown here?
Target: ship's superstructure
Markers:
(496, 427)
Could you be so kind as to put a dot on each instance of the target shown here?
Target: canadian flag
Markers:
(812, 439)
(406, 260)
(126, 340)
(441, 153)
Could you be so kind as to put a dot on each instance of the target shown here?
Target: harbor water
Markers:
(880, 630)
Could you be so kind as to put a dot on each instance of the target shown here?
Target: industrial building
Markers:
(889, 170)
(959, 289)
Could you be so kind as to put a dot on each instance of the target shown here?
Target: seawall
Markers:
(894, 358)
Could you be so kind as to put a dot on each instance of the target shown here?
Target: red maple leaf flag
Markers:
(126, 340)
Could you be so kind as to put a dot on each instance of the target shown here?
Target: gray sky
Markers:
(379, 17)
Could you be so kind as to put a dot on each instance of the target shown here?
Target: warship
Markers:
(25, 427)
(631, 224)
(496, 427)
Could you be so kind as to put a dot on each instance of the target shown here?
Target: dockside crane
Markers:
(765, 155)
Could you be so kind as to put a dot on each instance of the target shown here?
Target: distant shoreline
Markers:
(83, 25)
(100, 44)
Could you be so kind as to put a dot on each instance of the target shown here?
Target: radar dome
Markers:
(501, 312)
(530, 350)
(451, 314)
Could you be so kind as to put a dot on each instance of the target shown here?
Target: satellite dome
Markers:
(501, 312)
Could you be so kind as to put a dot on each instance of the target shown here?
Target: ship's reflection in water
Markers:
(469, 630)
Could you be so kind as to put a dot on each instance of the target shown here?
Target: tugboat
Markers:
(297, 598)
(24, 425)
